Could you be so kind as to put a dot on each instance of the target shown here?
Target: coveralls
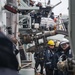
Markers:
(49, 60)
(65, 54)
(39, 60)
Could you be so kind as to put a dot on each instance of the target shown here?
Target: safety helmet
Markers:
(51, 42)
(64, 41)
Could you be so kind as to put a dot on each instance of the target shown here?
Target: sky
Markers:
(61, 8)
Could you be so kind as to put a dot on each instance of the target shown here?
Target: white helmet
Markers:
(64, 40)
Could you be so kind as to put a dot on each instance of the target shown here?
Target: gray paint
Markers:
(72, 24)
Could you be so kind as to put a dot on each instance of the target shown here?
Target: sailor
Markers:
(49, 56)
(32, 16)
(39, 60)
(38, 17)
(52, 15)
(15, 41)
(8, 60)
(63, 53)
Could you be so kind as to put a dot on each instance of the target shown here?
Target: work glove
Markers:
(61, 65)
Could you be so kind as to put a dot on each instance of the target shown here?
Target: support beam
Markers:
(28, 8)
(24, 6)
(72, 24)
